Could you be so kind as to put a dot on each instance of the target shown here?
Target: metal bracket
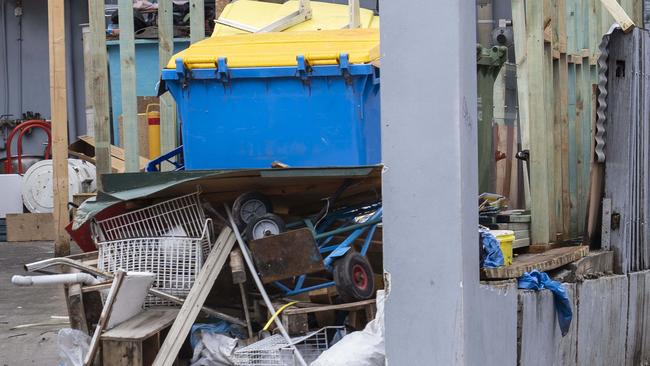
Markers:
(181, 71)
(344, 65)
(302, 68)
(223, 73)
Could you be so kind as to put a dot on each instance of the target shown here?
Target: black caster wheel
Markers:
(248, 206)
(354, 277)
(264, 226)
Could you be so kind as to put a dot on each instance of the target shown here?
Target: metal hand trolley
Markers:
(320, 243)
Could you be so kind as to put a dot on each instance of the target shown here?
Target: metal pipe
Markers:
(346, 229)
(21, 128)
(56, 279)
(35, 266)
(260, 286)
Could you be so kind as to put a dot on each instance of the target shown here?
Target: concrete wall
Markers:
(24, 79)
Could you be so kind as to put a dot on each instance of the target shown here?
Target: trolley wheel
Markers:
(248, 206)
(263, 226)
(354, 277)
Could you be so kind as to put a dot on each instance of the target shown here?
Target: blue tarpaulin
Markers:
(493, 256)
(536, 280)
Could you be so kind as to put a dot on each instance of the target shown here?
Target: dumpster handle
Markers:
(322, 57)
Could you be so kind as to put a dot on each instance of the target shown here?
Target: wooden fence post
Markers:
(58, 104)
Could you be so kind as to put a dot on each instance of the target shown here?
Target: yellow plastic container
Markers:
(506, 238)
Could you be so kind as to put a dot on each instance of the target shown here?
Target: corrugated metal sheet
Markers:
(627, 141)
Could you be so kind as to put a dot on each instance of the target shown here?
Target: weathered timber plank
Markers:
(30, 227)
(551, 131)
(195, 299)
(127, 77)
(539, 141)
(551, 259)
(619, 14)
(521, 60)
(143, 325)
(168, 131)
(59, 123)
(99, 78)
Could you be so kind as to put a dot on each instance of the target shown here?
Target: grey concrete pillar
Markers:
(434, 314)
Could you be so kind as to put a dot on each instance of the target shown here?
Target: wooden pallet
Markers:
(137, 340)
(296, 319)
(546, 261)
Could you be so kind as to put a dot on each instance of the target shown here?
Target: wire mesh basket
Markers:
(180, 216)
(276, 351)
(176, 261)
(170, 239)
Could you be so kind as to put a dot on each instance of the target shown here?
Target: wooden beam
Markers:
(633, 8)
(354, 14)
(195, 299)
(562, 118)
(104, 317)
(595, 34)
(549, 120)
(619, 14)
(520, 37)
(88, 86)
(571, 114)
(59, 108)
(219, 5)
(585, 125)
(197, 21)
(129, 98)
(99, 78)
(168, 132)
(539, 157)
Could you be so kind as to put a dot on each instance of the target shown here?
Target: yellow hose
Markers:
(280, 310)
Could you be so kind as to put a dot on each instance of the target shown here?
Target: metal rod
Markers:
(247, 314)
(35, 266)
(348, 228)
(260, 286)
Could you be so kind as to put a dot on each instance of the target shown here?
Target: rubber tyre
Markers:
(354, 277)
(269, 217)
(243, 216)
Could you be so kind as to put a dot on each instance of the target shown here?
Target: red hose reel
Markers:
(21, 129)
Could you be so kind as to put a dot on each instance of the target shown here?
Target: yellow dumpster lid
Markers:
(258, 14)
(282, 48)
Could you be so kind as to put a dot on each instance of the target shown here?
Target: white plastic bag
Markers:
(364, 348)
(213, 349)
(73, 346)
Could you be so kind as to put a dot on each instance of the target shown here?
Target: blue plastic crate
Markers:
(303, 116)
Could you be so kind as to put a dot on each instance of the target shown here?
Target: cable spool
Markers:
(38, 186)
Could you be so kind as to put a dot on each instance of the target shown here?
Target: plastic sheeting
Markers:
(363, 348)
(73, 346)
(493, 256)
(536, 280)
(211, 345)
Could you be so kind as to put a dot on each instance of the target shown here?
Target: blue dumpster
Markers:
(305, 99)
